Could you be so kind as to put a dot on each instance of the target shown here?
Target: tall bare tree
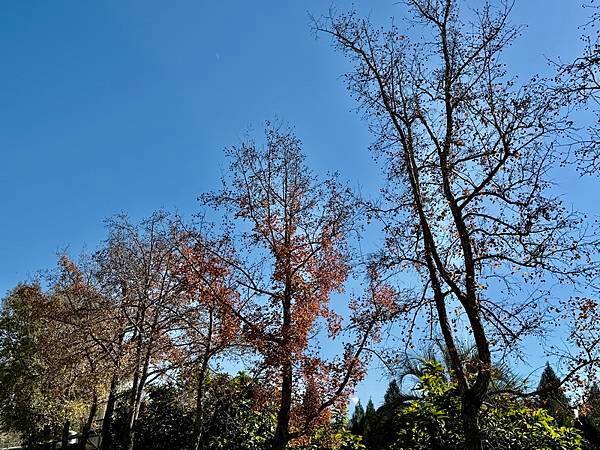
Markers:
(467, 152)
(139, 264)
(579, 83)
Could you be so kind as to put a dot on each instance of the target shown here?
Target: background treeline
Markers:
(140, 341)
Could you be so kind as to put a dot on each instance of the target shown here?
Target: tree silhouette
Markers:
(392, 394)
(552, 397)
(467, 206)
(357, 421)
(589, 417)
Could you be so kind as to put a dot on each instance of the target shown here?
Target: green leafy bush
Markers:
(432, 420)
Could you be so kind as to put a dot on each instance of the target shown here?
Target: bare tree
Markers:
(467, 152)
(579, 84)
(138, 264)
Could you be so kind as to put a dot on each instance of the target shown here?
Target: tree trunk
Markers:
(199, 414)
(282, 431)
(281, 437)
(131, 424)
(64, 443)
(133, 403)
(131, 429)
(135, 390)
(106, 442)
(199, 419)
(137, 404)
(87, 427)
(47, 435)
(140, 376)
(471, 407)
(131, 433)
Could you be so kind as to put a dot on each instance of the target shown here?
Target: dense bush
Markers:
(232, 417)
(431, 419)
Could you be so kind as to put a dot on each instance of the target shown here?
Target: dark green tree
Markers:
(392, 394)
(166, 421)
(357, 421)
(19, 386)
(589, 418)
(370, 417)
(552, 398)
(236, 418)
(382, 429)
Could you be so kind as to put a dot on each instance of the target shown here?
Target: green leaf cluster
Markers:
(430, 418)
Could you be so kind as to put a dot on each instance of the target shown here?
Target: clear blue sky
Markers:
(126, 106)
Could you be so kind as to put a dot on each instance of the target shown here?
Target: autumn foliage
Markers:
(250, 324)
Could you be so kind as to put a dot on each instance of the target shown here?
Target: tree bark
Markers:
(64, 443)
(282, 431)
(281, 437)
(135, 412)
(106, 442)
(137, 403)
(46, 437)
(138, 380)
(87, 427)
(199, 415)
(471, 405)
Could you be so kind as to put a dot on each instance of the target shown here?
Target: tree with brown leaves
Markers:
(291, 258)
(210, 328)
